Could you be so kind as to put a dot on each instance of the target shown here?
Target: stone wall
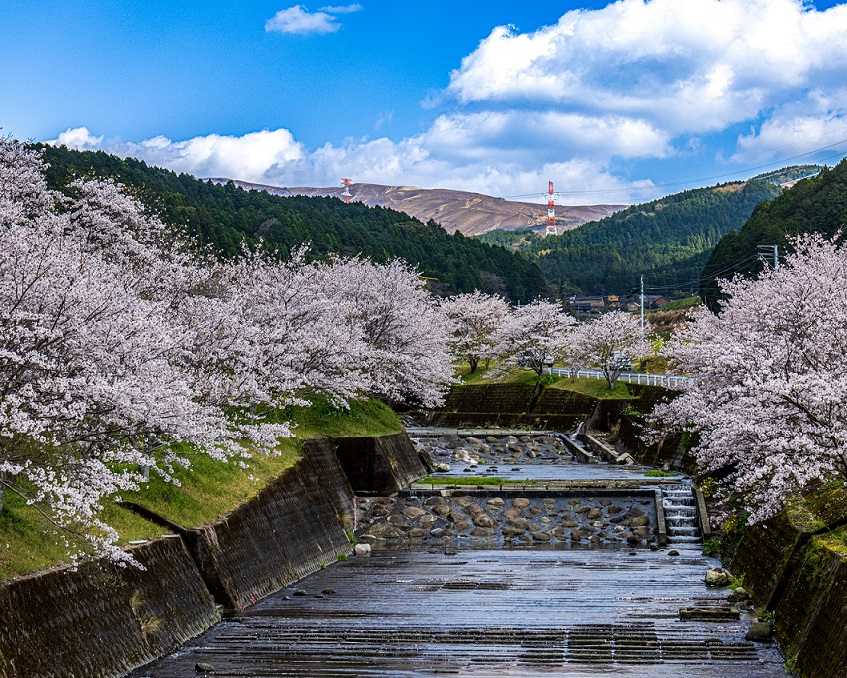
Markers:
(102, 620)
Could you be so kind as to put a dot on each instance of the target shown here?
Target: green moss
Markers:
(444, 480)
(802, 517)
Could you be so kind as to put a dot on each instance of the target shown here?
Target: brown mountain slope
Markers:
(470, 213)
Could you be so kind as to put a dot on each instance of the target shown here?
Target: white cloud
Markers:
(342, 9)
(78, 138)
(682, 66)
(274, 157)
(297, 20)
(818, 121)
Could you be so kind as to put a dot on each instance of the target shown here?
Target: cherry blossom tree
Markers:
(769, 379)
(404, 354)
(475, 319)
(533, 335)
(94, 381)
(607, 343)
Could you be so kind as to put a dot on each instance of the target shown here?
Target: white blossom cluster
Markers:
(770, 373)
(118, 339)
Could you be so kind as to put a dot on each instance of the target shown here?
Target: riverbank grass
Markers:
(207, 490)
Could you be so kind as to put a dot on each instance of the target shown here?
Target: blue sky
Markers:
(614, 102)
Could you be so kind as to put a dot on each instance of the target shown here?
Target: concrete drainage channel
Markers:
(521, 597)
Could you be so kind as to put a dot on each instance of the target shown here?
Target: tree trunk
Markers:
(535, 394)
(474, 363)
(2, 489)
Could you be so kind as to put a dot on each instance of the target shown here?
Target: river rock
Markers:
(639, 521)
(417, 532)
(462, 502)
(413, 512)
(512, 512)
(510, 532)
(717, 577)
(480, 531)
(595, 513)
(441, 467)
(398, 520)
(496, 501)
(492, 440)
(535, 510)
(483, 520)
(202, 667)
(583, 509)
(471, 440)
(520, 503)
(541, 536)
(568, 523)
(379, 512)
(605, 502)
(544, 519)
(510, 440)
(760, 632)
(614, 510)
(441, 510)
(460, 526)
(437, 532)
(520, 523)
(362, 549)
(546, 440)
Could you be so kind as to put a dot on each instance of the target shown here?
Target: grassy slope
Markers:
(207, 490)
(596, 388)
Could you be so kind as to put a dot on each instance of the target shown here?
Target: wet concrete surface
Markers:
(509, 612)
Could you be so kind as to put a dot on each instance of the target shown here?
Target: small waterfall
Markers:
(680, 514)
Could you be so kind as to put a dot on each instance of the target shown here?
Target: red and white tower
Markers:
(551, 211)
(346, 195)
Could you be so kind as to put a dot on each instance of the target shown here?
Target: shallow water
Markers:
(514, 612)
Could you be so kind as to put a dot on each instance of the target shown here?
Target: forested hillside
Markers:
(224, 215)
(667, 240)
(817, 204)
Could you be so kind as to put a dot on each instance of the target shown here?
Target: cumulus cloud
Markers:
(275, 158)
(78, 138)
(683, 67)
(299, 21)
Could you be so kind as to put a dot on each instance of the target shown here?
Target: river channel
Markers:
(461, 607)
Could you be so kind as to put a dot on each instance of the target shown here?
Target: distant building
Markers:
(586, 305)
(613, 301)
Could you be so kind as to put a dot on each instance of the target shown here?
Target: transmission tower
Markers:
(346, 195)
(551, 211)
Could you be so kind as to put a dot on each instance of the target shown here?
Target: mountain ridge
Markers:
(468, 212)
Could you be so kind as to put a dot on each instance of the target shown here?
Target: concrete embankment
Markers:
(101, 620)
(621, 420)
(795, 566)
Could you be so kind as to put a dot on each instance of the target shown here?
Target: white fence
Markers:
(629, 377)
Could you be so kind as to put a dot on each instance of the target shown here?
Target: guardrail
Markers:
(629, 377)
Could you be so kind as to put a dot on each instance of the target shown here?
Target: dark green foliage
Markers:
(817, 204)
(224, 216)
(666, 240)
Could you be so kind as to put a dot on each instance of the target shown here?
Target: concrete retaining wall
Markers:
(105, 621)
(379, 465)
(798, 570)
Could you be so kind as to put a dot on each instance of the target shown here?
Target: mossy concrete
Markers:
(795, 565)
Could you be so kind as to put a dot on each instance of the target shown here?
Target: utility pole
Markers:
(641, 305)
(775, 249)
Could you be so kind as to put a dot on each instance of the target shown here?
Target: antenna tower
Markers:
(346, 195)
(551, 211)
